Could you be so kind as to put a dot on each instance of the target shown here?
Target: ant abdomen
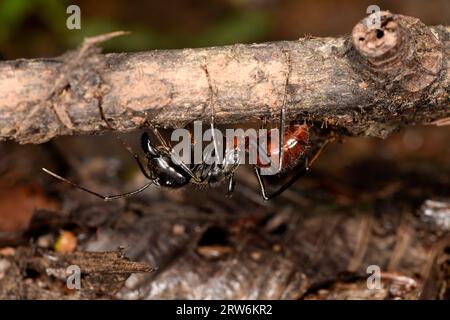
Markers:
(296, 140)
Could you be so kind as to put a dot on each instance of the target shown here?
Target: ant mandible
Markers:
(163, 169)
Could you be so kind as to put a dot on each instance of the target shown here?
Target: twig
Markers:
(371, 83)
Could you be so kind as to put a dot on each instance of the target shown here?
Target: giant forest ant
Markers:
(162, 169)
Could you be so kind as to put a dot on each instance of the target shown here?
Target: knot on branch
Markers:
(402, 51)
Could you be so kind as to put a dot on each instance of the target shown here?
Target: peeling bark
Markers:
(371, 83)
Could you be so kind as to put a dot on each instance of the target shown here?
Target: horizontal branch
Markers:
(373, 82)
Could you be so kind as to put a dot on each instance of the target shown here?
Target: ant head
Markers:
(148, 147)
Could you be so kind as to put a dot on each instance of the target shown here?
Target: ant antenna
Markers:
(106, 198)
(129, 149)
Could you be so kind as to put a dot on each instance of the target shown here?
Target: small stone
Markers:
(178, 229)
(276, 247)
(256, 255)
(45, 241)
(7, 251)
(66, 242)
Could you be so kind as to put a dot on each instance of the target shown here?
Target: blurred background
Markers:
(37, 28)
(32, 29)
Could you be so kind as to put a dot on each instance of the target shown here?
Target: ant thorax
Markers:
(212, 172)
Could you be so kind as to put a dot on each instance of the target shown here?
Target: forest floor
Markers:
(366, 203)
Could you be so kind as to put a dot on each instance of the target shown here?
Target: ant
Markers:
(163, 169)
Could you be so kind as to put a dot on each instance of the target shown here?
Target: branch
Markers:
(371, 83)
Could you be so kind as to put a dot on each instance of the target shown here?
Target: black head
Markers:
(165, 171)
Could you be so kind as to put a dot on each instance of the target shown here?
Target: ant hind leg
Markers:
(293, 179)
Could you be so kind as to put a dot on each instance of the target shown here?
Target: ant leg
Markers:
(106, 198)
(184, 167)
(283, 114)
(231, 185)
(126, 146)
(281, 139)
(190, 173)
(281, 144)
(317, 154)
(283, 187)
(293, 179)
(213, 110)
(160, 137)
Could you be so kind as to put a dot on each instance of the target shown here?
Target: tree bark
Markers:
(373, 82)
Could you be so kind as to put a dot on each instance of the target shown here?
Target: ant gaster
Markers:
(165, 170)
